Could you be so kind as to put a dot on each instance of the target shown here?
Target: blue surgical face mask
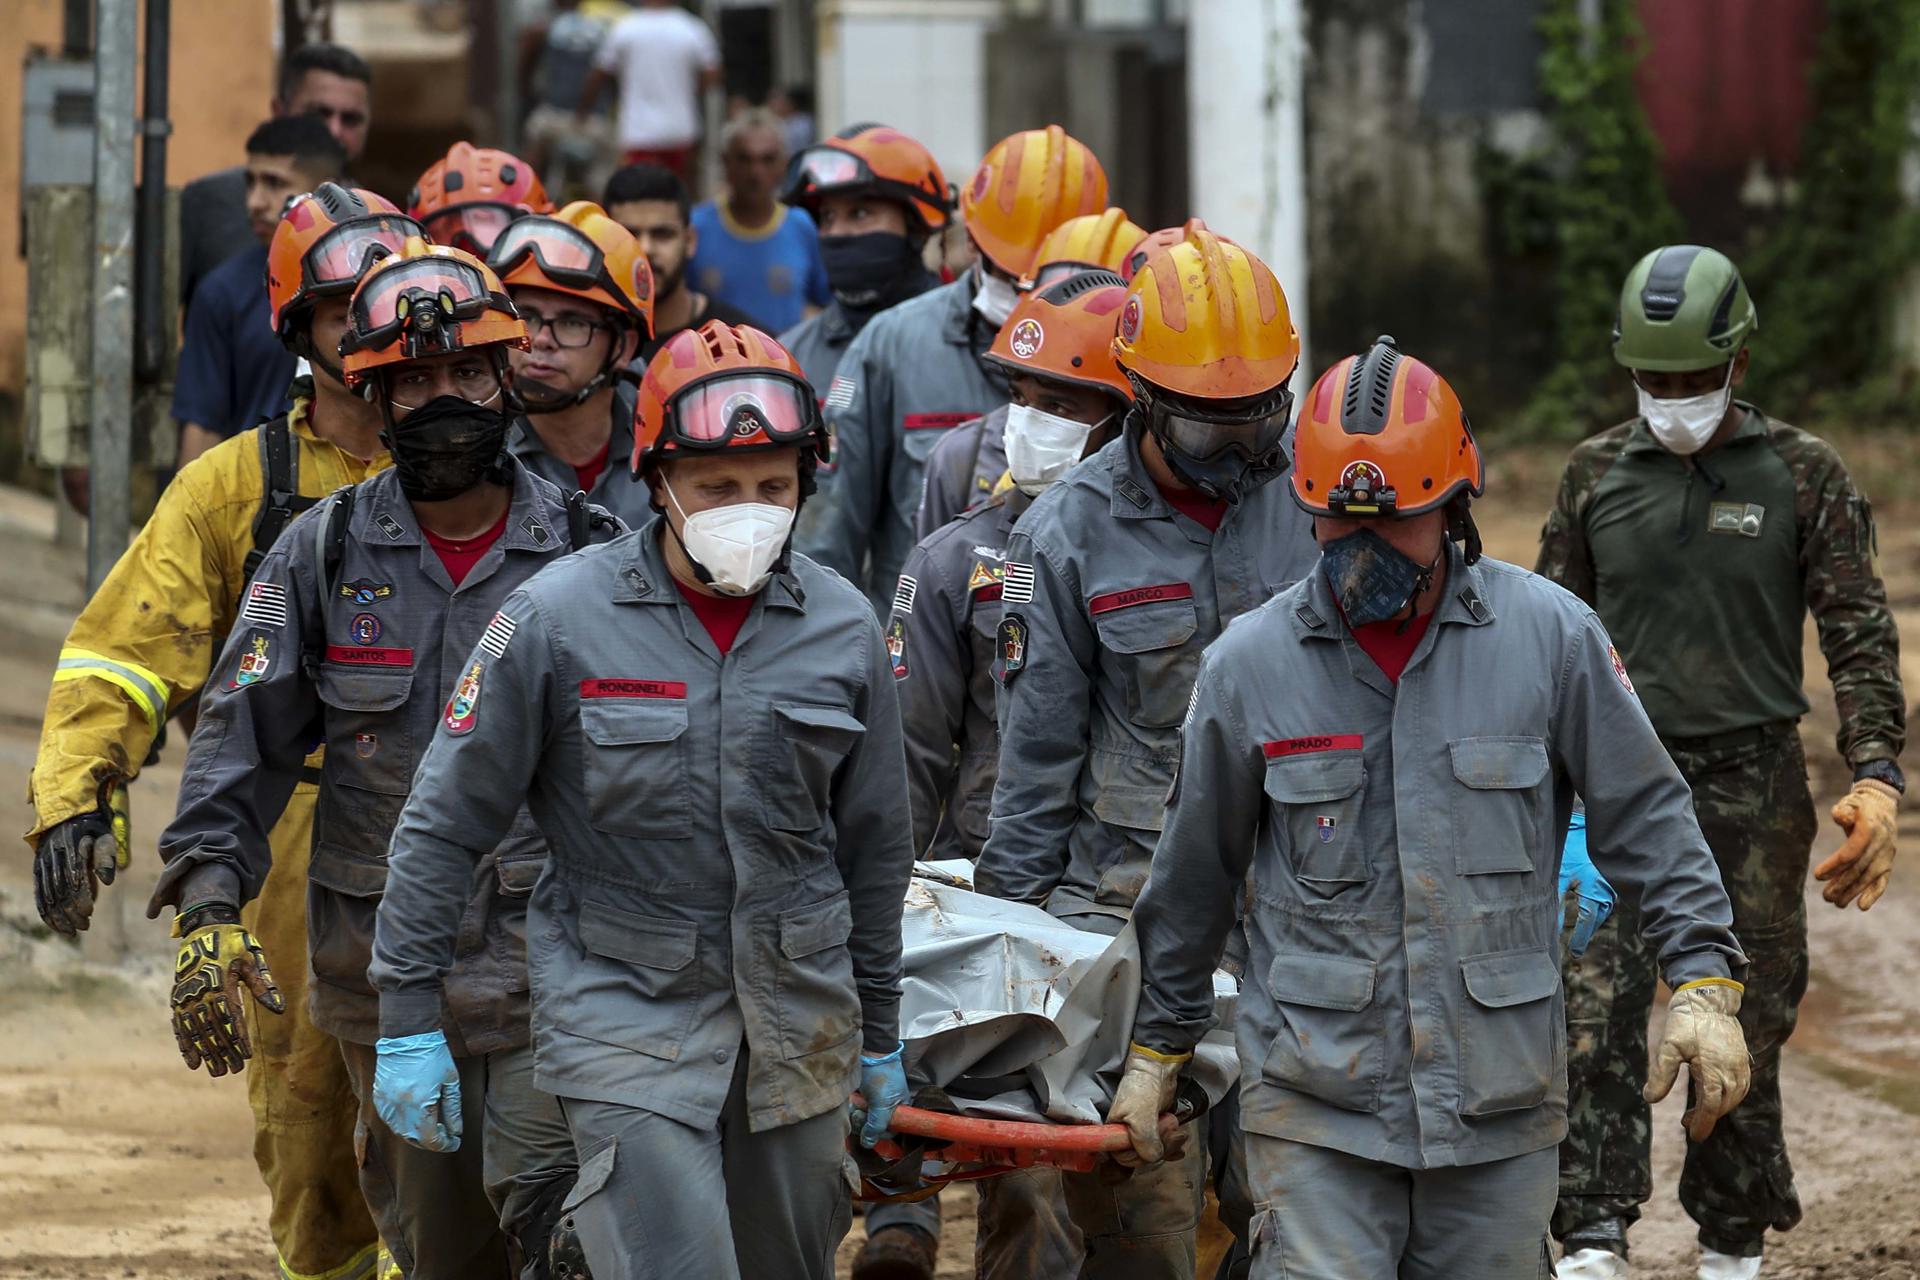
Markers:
(1371, 579)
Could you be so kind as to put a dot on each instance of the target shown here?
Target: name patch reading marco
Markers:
(1139, 595)
(1308, 746)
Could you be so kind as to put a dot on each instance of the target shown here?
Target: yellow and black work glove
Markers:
(1143, 1101)
(217, 957)
(72, 859)
(1862, 867)
(1703, 1032)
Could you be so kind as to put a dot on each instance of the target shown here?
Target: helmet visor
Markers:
(564, 253)
(819, 170)
(473, 227)
(338, 259)
(407, 294)
(711, 414)
(1205, 437)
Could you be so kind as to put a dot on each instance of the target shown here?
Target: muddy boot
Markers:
(897, 1253)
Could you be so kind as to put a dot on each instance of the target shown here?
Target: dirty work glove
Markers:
(1703, 1031)
(1578, 873)
(1144, 1094)
(1862, 866)
(74, 858)
(216, 957)
(883, 1083)
(416, 1090)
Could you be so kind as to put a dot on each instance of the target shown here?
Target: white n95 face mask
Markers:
(1684, 426)
(1041, 446)
(737, 545)
(994, 299)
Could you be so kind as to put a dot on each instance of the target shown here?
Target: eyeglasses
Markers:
(570, 330)
(413, 387)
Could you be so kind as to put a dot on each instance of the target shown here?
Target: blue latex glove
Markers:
(416, 1090)
(883, 1082)
(1578, 873)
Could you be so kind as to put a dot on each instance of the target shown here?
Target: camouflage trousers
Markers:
(1757, 814)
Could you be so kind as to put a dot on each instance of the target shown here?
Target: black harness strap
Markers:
(280, 497)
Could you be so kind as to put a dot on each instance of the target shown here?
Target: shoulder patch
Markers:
(254, 662)
(1620, 670)
(904, 593)
(1018, 578)
(1013, 645)
(897, 647)
(498, 634)
(265, 605)
(840, 393)
(464, 706)
(982, 575)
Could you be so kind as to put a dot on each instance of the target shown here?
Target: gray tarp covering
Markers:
(1020, 1016)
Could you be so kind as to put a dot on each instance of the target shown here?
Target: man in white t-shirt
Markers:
(663, 58)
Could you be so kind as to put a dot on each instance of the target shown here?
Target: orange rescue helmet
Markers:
(1064, 332)
(1207, 320)
(579, 251)
(1382, 434)
(872, 159)
(468, 196)
(1090, 242)
(325, 242)
(1028, 184)
(426, 300)
(725, 386)
(1154, 241)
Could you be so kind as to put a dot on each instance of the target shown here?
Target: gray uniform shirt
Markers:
(616, 487)
(728, 866)
(940, 636)
(387, 640)
(817, 343)
(1403, 998)
(1109, 597)
(962, 470)
(912, 375)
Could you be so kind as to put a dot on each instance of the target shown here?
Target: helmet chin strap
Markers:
(558, 404)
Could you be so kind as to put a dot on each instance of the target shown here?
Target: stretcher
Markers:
(1016, 1027)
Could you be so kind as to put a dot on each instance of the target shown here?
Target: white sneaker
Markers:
(1592, 1264)
(1723, 1266)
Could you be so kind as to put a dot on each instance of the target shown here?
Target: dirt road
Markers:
(117, 1162)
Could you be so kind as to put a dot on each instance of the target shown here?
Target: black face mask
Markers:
(1373, 580)
(445, 447)
(865, 269)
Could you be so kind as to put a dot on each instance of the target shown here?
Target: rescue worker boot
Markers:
(1592, 1264)
(897, 1253)
(1715, 1265)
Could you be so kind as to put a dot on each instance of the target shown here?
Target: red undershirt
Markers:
(1194, 505)
(1390, 651)
(589, 471)
(722, 616)
(460, 556)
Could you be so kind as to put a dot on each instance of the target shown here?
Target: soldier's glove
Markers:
(1143, 1100)
(217, 957)
(1862, 866)
(416, 1090)
(1703, 1031)
(74, 858)
(1578, 874)
(883, 1083)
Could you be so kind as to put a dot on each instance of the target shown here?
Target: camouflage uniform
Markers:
(1705, 588)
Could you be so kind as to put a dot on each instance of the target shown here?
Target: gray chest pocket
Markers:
(1496, 806)
(809, 744)
(636, 767)
(1317, 799)
(369, 738)
(1157, 666)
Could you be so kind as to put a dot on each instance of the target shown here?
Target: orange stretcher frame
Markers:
(966, 1148)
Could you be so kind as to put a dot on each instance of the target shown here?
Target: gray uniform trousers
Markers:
(424, 1201)
(661, 1200)
(1323, 1214)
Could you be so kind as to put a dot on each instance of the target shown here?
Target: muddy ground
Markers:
(117, 1162)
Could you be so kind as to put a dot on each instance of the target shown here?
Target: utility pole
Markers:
(110, 417)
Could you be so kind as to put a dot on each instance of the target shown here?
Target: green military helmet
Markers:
(1683, 307)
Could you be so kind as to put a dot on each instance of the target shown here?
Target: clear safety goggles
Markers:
(826, 170)
(1252, 431)
(339, 258)
(564, 253)
(418, 297)
(777, 406)
(473, 227)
